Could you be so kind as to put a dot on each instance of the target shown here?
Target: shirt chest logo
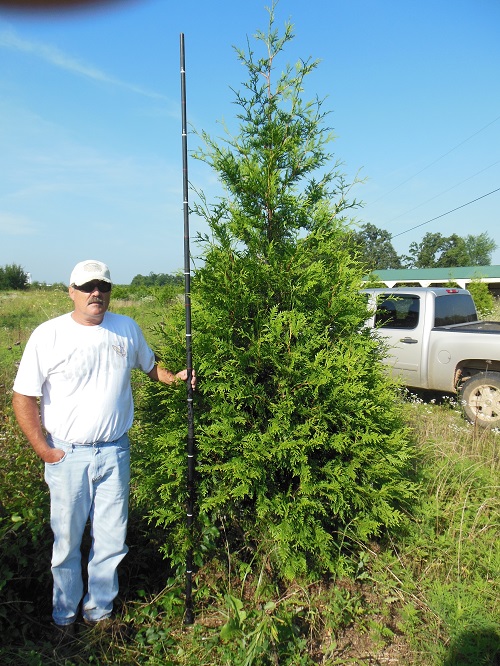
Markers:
(120, 350)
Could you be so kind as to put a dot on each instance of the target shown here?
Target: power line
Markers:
(438, 159)
(447, 213)
(441, 193)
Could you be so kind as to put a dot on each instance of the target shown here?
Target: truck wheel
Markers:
(480, 398)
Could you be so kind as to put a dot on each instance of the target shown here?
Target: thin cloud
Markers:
(54, 56)
(12, 224)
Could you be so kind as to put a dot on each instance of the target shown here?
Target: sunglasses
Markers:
(89, 287)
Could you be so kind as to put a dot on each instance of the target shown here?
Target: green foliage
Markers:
(43, 286)
(374, 248)
(142, 294)
(438, 251)
(23, 532)
(263, 636)
(25, 535)
(450, 556)
(299, 432)
(157, 280)
(13, 276)
(483, 298)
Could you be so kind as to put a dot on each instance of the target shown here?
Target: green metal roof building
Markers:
(436, 277)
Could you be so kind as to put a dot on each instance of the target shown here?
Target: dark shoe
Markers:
(64, 634)
(66, 629)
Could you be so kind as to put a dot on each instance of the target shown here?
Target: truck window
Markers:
(397, 311)
(454, 309)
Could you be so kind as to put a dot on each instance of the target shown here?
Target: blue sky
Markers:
(90, 125)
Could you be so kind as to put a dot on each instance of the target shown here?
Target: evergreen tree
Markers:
(300, 440)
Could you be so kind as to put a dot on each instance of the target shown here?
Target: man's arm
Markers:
(28, 417)
(159, 374)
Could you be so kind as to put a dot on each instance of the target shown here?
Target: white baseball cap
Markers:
(88, 270)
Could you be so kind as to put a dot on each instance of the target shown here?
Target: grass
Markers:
(428, 595)
(452, 554)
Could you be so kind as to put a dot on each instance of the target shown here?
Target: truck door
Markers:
(399, 323)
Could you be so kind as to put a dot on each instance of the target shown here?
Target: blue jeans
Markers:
(90, 481)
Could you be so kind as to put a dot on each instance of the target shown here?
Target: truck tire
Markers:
(480, 399)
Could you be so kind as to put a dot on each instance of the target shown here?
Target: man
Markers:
(79, 365)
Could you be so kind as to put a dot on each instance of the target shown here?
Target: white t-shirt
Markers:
(82, 374)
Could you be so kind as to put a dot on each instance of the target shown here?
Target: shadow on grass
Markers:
(142, 574)
(479, 647)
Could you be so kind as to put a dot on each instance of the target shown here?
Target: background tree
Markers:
(374, 248)
(479, 249)
(13, 276)
(438, 251)
(300, 439)
(157, 280)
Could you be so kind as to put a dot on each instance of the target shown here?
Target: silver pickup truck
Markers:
(435, 342)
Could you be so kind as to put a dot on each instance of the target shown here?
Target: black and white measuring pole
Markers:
(189, 614)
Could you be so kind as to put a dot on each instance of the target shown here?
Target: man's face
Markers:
(90, 301)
